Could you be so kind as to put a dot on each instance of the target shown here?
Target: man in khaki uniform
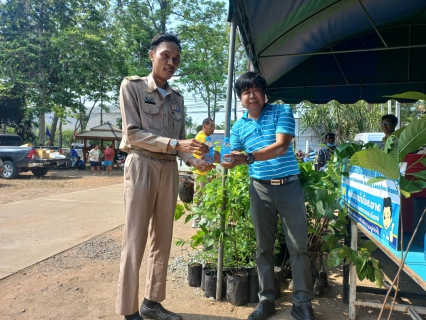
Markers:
(153, 124)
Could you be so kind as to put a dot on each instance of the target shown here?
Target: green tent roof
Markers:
(347, 50)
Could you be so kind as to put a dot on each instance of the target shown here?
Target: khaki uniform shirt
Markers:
(149, 120)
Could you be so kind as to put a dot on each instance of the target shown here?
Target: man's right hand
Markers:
(192, 146)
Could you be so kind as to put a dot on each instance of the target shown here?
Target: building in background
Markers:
(304, 140)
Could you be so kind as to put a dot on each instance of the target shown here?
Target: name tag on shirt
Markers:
(149, 101)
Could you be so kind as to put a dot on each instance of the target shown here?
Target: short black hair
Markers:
(207, 121)
(330, 134)
(387, 202)
(391, 117)
(164, 37)
(249, 80)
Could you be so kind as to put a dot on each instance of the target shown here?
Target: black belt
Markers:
(278, 181)
(156, 155)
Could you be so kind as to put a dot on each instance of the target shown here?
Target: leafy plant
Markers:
(238, 235)
(327, 222)
(387, 161)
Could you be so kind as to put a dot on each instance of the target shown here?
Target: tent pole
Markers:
(398, 114)
(389, 106)
(227, 131)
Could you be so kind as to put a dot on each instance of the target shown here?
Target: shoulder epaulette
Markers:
(133, 78)
(175, 90)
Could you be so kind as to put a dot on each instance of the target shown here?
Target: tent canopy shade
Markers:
(105, 131)
(344, 50)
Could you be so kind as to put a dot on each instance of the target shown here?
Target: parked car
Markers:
(17, 158)
(10, 140)
(1, 167)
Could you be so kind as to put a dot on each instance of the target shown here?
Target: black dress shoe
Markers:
(134, 316)
(303, 312)
(265, 309)
(158, 313)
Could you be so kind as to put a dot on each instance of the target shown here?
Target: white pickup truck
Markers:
(365, 137)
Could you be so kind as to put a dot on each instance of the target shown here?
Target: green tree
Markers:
(204, 67)
(89, 73)
(60, 51)
(345, 120)
(12, 106)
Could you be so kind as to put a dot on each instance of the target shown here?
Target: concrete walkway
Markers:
(34, 230)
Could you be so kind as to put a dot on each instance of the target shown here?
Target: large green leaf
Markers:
(420, 184)
(369, 245)
(414, 95)
(321, 194)
(398, 132)
(410, 186)
(374, 180)
(412, 138)
(377, 160)
(419, 175)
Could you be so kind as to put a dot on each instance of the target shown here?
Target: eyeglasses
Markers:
(385, 123)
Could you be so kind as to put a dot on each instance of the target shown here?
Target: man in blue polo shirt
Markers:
(265, 132)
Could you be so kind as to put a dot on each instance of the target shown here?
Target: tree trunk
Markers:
(53, 130)
(41, 129)
(3, 127)
(60, 134)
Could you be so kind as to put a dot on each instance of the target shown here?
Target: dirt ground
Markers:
(81, 282)
(27, 187)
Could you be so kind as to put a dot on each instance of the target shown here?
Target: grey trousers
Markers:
(288, 200)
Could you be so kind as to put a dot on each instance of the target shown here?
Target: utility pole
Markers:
(101, 108)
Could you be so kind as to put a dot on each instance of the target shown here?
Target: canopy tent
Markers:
(345, 50)
(104, 132)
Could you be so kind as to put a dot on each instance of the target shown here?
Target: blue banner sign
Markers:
(376, 206)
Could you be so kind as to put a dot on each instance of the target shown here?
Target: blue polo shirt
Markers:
(251, 135)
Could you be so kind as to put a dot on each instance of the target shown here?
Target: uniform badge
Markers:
(174, 106)
(149, 98)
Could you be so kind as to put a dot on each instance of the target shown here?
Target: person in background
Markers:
(307, 158)
(73, 156)
(80, 164)
(108, 159)
(73, 152)
(153, 136)
(326, 153)
(299, 155)
(316, 161)
(312, 153)
(207, 130)
(265, 132)
(387, 125)
(95, 159)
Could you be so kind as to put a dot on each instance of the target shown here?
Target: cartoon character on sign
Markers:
(387, 233)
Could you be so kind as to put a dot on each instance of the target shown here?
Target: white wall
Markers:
(304, 138)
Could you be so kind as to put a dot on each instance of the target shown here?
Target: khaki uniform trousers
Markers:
(150, 194)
